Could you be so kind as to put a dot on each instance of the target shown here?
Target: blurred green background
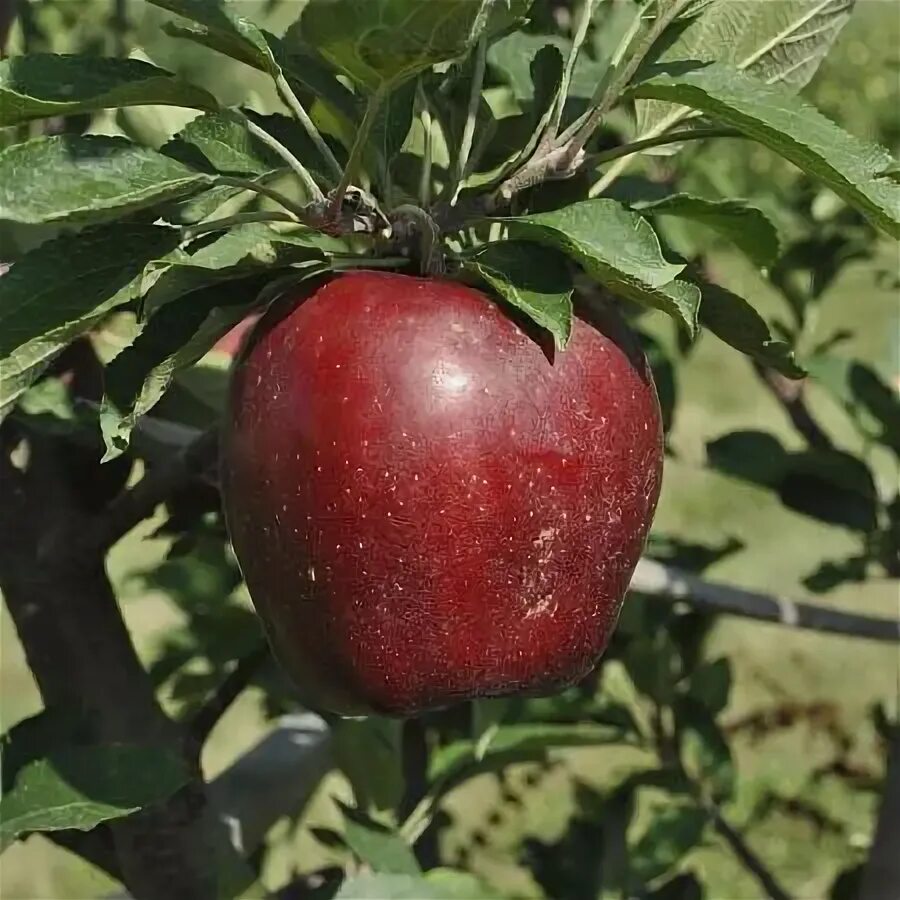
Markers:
(800, 700)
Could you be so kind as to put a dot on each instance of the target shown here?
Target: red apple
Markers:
(426, 506)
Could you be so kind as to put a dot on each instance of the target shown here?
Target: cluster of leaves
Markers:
(142, 232)
(425, 137)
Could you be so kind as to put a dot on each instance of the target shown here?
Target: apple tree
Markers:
(437, 193)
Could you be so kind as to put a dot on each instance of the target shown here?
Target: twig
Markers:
(881, 876)
(296, 107)
(131, 507)
(465, 147)
(584, 20)
(751, 862)
(603, 102)
(415, 774)
(315, 193)
(566, 155)
(789, 393)
(207, 717)
(657, 579)
(257, 187)
(373, 107)
(675, 137)
(428, 150)
(193, 231)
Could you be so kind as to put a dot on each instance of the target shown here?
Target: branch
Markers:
(207, 717)
(656, 579)
(296, 107)
(315, 193)
(226, 222)
(465, 148)
(131, 507)
(674, 137)
(789, 393)
(82, 658)
(258, 187)
(373, 107)
(881, 876)
(751, 862)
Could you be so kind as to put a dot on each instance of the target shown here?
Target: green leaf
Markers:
(43, 85)
(733, 320)
(711, 685)
(368, 752)
(514, 58)
(438, 884)
(747, 227)
(618, 248)
(36, 737)
(222, 30)
(243, 251)
(383, 849)
(179, 334)
(80, 787)
(526, 741)
(88, 178)
(225, 144)
(882, 403)
(175, 338)
(704, 749)
(852, 168)
(391, 127)
(779, 41)
(301, 64)
(62, 288)
(381, 43)
(674, 830)
(534, 279)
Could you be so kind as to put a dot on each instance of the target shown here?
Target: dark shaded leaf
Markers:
(221, 30)
(747, 227)
(710, 685)
(733, 320)
(368, 752)
(704, 749)
(41, 85)
(62, 288)
(879, 400)
(534, 279)
(674, 830)
(80, 787)
(618, 248)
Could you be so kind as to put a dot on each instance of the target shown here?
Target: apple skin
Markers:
(425, 507)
